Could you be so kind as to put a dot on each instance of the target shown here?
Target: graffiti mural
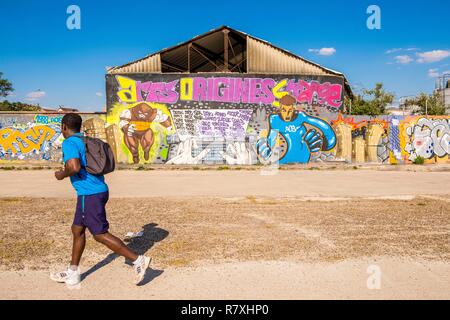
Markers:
(35, 140)
(218, 118)
(234, 119)
(428, 138)
(361, 139)
(25, 136)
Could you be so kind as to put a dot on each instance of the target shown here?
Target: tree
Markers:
(5, 86)
(376, 103)
(5, 89)
(17, 106)
(427, 104)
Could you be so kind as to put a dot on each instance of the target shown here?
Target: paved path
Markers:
(399, 279)
(302, 183)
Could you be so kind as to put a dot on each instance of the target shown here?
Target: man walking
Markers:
(92, 196)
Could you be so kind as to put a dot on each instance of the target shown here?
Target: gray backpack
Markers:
(99, 156)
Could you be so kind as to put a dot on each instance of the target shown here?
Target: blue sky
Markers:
(38, 52)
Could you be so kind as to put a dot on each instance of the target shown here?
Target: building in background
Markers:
(443, 88)
(217, 98)
(60, 109)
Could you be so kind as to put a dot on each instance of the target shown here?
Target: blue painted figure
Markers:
(300, 141)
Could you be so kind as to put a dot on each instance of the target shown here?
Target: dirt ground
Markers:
(302, 245)
(237, 183)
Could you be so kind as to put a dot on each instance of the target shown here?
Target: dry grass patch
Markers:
(191, 231)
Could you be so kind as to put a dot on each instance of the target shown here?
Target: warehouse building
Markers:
(212, 98)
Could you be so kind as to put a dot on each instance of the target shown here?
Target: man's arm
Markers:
(71, 167)
(327, 131)
(124, 123)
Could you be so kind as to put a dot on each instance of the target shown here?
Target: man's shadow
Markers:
(140, 245)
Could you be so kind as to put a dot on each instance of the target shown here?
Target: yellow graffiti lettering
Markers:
(18, 141)
(278, 93)
(127, 92)
(186, 88)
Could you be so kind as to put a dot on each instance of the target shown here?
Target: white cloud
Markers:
(393, 50)
(433, 73)
(404, 59)
(99, 94)
(35, 95)
(432, 56)
(324, 51)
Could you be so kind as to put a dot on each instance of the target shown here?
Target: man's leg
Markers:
(72, 276)
(140, 263)
(79, 242)
(116, 245)
(98, 225)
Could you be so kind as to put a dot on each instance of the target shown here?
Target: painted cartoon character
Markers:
(288, 125)
(136, 126)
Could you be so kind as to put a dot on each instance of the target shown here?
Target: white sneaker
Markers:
(69, 276)
(140, 269)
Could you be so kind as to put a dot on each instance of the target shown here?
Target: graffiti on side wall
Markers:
(162, 134)
(38, 136)
(428, 138)
(362, 141)
(32, 141)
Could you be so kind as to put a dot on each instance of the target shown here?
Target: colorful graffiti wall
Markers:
(27, 136)
(218, 118)
(235, 120)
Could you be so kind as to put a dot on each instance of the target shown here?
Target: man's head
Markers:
(70, 124)
(287, 107)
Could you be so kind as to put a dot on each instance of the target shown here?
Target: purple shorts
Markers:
(91, 213)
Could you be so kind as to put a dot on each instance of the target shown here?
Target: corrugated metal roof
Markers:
(265, 58)
(262, 57)
(150, 63)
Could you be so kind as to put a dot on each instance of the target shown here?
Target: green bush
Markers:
(419, 160)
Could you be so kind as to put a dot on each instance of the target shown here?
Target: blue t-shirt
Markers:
(83, 182)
